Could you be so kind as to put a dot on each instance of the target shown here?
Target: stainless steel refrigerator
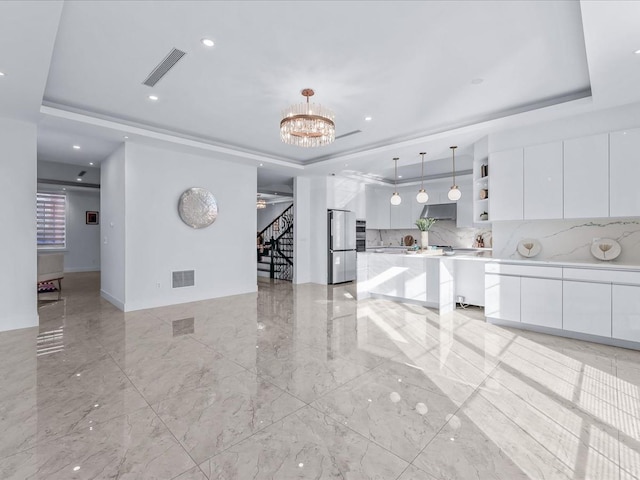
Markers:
(342, 246)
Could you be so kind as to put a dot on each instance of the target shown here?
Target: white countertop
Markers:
(484, 257)
(610, 265)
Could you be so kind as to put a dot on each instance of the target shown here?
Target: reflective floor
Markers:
(304, 382)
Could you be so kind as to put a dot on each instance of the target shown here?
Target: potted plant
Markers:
(424, 225)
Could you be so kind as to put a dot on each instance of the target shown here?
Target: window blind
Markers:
(52, 220)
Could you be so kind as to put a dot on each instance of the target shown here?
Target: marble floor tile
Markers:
(163, 369)
(461, 450)
(208, 420)
(134, 446)
(306, 444)
(193, 474)
(308, 372)
(223, 383)
(396, 405)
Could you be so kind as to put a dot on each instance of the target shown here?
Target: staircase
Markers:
(277, 260)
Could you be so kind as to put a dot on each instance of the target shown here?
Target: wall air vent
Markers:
(348, 134)
(185, 278)
(163, 67)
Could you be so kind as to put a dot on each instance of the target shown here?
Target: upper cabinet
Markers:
(587, 177)
(542, 181)
(586, 168)
(378, 206)
(506, 185)
(401, 215)
(624, 173)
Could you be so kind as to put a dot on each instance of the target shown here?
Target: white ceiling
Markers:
(409, 65)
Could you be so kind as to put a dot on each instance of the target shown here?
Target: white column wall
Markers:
(112, 228)
(18, 217)
(223, 255)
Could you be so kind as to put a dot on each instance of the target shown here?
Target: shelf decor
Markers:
(529, 247)
(605, 249)
(424, 225)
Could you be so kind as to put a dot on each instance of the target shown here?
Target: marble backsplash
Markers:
(568, 240)
(443, 232)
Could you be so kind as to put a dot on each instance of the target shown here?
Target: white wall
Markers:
(112, 228)
(310, 229)
(158, 242)
(82, 252)
(302, 230)
(18, 216)
(268, 214)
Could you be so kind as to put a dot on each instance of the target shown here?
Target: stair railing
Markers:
(280, 240)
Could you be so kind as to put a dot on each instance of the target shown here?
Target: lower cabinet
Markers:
(626, 312)
(541, 302)
(502, 297)
(587, 308)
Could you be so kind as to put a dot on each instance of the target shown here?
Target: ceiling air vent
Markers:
(185, 278)
(163, 67)
(82, 173)
(348, 134)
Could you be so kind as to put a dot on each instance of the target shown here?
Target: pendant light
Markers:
(454, 192)
(395, 198)
(422, 196)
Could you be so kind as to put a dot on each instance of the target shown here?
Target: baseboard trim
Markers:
(112, 300)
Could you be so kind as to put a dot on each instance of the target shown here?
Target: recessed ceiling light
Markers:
(637, 52)
(125, 137)
(76, 147)
(153, 98)
(275, 193)
(79, 179)
(207, 42)
(91, 163)
(63, 188)
(477, 81)
(368, 119)
(399, 176)
(1, 74)
(261, 165)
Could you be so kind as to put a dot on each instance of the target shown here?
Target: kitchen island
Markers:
(427, 280)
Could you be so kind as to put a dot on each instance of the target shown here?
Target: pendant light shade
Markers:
(395, 198)
(422, 196)
(454, 192)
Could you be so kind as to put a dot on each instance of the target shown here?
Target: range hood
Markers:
(440, 211)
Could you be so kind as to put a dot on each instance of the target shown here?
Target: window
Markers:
(52, 220)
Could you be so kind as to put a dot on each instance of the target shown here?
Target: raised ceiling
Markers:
(430, 74)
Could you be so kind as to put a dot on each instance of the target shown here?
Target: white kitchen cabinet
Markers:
(506, 185)
(542, 181)
(502, 297)
(469, 280)
(378, 206)
(586, 175)
(465, 204)
(625, 314)
(415, 278)
(401, 214)
(541, 302)
(624, 160)
(586, 307)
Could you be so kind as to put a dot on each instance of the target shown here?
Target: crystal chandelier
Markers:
(261, 203)
(307, 124)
